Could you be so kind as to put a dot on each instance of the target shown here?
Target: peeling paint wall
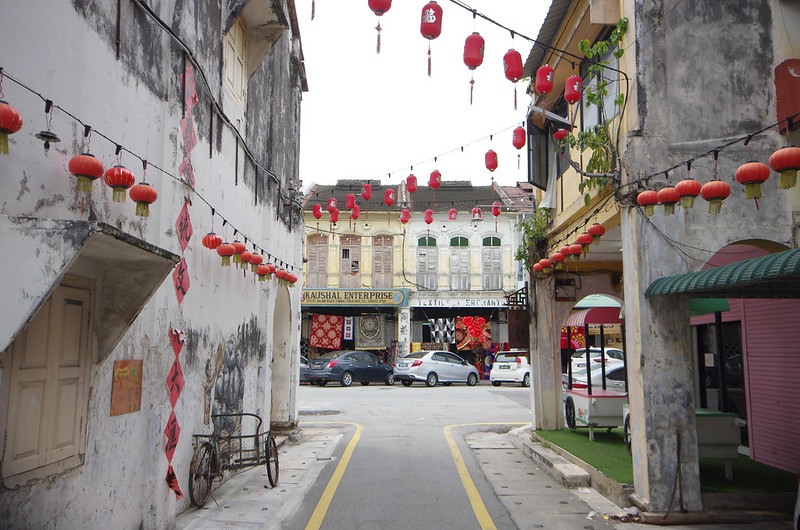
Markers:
(67, 51)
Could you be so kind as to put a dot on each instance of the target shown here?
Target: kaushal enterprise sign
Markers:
(350, 297)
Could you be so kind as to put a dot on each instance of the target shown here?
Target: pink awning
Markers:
(594, 315)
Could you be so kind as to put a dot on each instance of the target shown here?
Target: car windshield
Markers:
(332, 355)
(507, 357)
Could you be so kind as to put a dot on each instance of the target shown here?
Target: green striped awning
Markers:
(772, 276)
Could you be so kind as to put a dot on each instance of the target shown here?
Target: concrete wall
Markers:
(66, 52)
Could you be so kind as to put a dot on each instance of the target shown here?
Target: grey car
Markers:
(432, 367)
(303, 369)
(347, 367)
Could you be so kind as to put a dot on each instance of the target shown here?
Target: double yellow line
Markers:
(481, 513)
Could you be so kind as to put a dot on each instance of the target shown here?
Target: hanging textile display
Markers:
(370, 334)
(326, 332)
(443, 330)
(348, 328)
(473, 333)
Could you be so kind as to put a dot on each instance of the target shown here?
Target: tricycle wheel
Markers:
(271, 451)
(200, 474)
(569, 411)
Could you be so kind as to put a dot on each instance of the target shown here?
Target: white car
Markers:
(615, 377)
(432, 367)
(579, 357)
(511, 367)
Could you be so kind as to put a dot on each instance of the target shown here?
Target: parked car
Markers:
(579, 356)
(303, 369)
(433, 367)
(511, 367)
(347, 367)
(615, 377)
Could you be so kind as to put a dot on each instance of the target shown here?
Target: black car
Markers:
(347, 366)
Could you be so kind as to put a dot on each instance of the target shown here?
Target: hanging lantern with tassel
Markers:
(752, 174)
(473, 57)
(143, 194)
(518, 141)
(786, 161)
(405, 215)
(411, 183)
(452, 214)
(431, 26)
(87, 169)
(255, 262)
(512, 64)
(10, 122)
(238, 248)
(596, 231)
(648, 200)
(668, 197)
(558, 260)
(211, 241)
(544, 80)
(715, 192)
(119, 179)
(687, 190)
(226, 250)
(379, 7)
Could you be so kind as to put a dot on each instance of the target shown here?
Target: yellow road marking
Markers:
(327, 496)
(481, 513)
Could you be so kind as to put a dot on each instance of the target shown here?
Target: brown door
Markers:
(350, 262)
(317, 261)
(382, 262)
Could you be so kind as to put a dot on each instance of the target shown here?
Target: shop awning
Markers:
(772, 276)
(594, 315)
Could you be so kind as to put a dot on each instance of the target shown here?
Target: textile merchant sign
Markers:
(351, 297)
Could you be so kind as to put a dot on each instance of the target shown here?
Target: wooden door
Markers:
(382, 262)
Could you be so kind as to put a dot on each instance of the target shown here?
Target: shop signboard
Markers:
(355, 297)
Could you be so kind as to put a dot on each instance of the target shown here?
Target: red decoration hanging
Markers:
(560, 134)
(648, 199)
(584, 240)
(477, 215)
(473, 57)
(436, 180)
(518, 140)
(715, 192)
(558, 260)
(573, 89)
(668, 196)
(238, 248)
(262, 271)
(349, 201)
(512, 65)
(87, 168)
(431, 26)
(143, 194)
(355, 213)
(10, 122)
(786, 161)
(405, 215)
(411, 183)
(544, 80)
(596, 231)
(211, 241)
(379, 7)
(496, 208)
(566, 251)
(547, 265)
(331, 204)
(575, 249)
(687, 190)
(317, 211)
(752, 174)
(335, 215)
(119, 179)
(255, 262)
(452, 214)
(491, 160)
(366, 191)
(537, 270)
(428, 216)
(244, 258)
(389, 197)
(226, 250)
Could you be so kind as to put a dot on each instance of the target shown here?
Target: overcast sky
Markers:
(368, 115)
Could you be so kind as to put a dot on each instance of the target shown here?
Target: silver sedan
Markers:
(433, 367)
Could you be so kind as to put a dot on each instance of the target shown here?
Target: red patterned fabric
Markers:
(326, 332)
(473, 333)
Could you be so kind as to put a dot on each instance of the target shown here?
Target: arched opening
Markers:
(283, 384)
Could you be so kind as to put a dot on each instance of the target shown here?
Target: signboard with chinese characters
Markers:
(126, 389)
(351, 297)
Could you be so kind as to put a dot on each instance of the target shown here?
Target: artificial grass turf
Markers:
(608, 454)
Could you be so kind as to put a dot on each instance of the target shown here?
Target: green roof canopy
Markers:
(771, 276)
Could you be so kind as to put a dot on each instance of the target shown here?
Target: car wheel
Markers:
(364, 383)
(569, 411)
(406, 382)
(432, 379)
(526, 381)
(347, 379)
(321, 383)
(496, 383)
(472, 380)
(628, 433)
(389, 379)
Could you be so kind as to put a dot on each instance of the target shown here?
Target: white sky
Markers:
(367, 115)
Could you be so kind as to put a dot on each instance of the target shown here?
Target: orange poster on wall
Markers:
(126, 388)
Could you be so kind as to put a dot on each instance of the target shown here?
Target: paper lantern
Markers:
(335, 215)
(596, 231)
(473, 57)
(349, 201)
(87, 168)
(389, 197)
(411, 183)
(537, 269)
(668, 197)
(226, 250)
(263, 272)
(558, 260)
(518, 139)
(477, 215)
(452, 214)
(119, 179)
(573, 89)
(379, 7)
(547, 265)
(687, 190)
(566, 251)
(752, 174)
(496, 208)
(255, 262)
(544, 79)
(143, 194)
(10, 122)
(317, 211)
(428, 216)
(244, 258)
(435, 180)
(211, 241)
(491, 160)
(715, 192)
(238, 249)
(355, 213)
(331, 204)
(560, 134)
(786, 161)
(512, 65)
(648, 199)
(366, 191)
(575, 249)
(431, 25)
(584, 240)
(405, 215)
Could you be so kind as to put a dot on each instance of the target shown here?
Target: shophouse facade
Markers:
(121, 334)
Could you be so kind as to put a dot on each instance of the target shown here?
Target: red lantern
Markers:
(473, 56)
(544, 79)
(317, 209)
(560, 134)
(452, 214)
(496, 208)
(388, 197)
(584, 240)
(271, 268)
(431, 25)
(519, 138)
(537, 269)
(567, 252)
(687, 190)
(379, 7)
(476, 214)
(573, 89)
(238, 248)
(262, 271)
(281, 274)
(355, 213)
(255, 262)
(648, 199)
(786, 161)
(715, 192)
(575, 249)
(491, 160)
(335, 215)
(10, 122)
(547, 265)
(211, 241)
(405, 215)
(366, 191)
(349, 201)
(436, 180)
(558, 260)
(244, 258)
(143, 194)
(411, 183)
(331, 204)
(512, 64)
(119, 179)
(87, 168)
(226, 250)
(752, 174)
(668, 197)
(428, 216)
(596, 231)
